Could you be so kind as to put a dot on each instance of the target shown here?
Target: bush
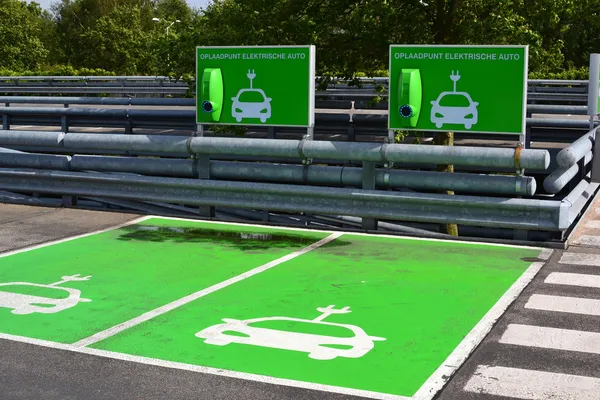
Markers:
(582, 73)
(57, 70)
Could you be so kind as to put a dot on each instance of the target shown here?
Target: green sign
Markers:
(255, 85)
(458, 88)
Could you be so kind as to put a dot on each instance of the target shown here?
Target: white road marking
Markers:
(439, 378)
(580, 259)
(594, 224)
(573, 305)
(532, 385)
(204, 370)
(194, 296)
(588, 240)
(552, 338)
(565, 278)
(37, 342)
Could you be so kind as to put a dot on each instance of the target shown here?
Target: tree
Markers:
(105, 33)
(116, 42)
(21, 25)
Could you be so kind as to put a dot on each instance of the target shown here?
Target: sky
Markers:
(193, 3)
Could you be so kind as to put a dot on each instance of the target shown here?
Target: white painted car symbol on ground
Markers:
(241, 109)
(316, 345)
(23, 304)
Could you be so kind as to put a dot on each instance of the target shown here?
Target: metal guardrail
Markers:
(350, 120)
(368, 201)
(547, 91)
(332, 190)
(571, 161)
(376, 204)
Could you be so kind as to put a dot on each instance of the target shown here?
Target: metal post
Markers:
(594, 83)
(352, 132)
(309, 136)
(310, 132)
(6, 119)
(368, 183)
(271, 132)
(526, 140)
(596, 161)
(64, 123)
(391, 139)
(593, 94)
(203, 172)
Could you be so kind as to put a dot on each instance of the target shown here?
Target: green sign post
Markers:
(458, 88)
(255, 85)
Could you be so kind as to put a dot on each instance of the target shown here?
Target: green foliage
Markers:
(21, 32)
(581, 73)
(352, 36)
(57, 70)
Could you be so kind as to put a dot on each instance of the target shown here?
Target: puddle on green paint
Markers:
(245, 241)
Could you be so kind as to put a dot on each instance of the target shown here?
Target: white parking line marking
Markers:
(552, 338)
(439, 378)
(573, 305)
(204, 370)
(532, 385)
(593, 224)
(588, 240)
(581, 259)
(566, 278)
(194, 296)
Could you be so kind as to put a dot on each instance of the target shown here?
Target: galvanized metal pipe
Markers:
(281, 173)
(303, 149)
(571, 155)
(433, 208)
(561, 177)
(308, 149)
(128, 101)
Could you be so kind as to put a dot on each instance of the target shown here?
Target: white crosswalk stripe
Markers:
(552, 338)
(580, 259)
(567, 278)
(548, 378)
(588, 240)
(532, 385)
(594, 224)
(574, 305)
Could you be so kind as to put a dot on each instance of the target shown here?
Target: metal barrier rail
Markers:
(365, 202)
(539, 90)
(293, 149)
(375, 204)
(276, 173)
(571, 161)
(351, 121)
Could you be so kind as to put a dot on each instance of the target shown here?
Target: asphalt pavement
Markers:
(544, 347)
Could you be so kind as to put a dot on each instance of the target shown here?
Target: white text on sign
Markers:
(253, 56)
(458, 56)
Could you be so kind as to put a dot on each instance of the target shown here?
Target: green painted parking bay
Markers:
(71, 290)
(377, 315)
